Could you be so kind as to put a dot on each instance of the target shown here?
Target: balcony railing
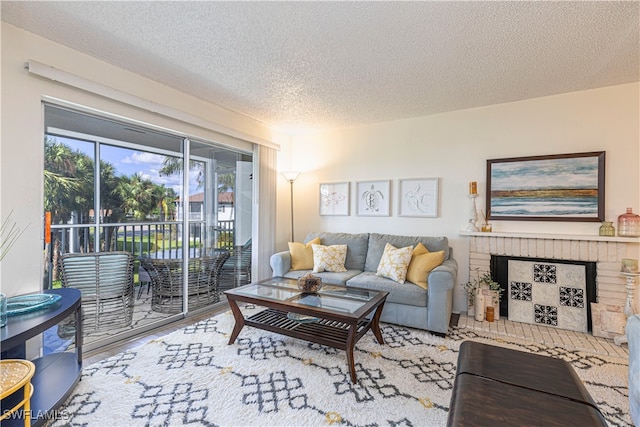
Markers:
(142, 239)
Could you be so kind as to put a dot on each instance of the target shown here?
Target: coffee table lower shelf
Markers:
(327, 332)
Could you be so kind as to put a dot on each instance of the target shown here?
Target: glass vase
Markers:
(607, 229)
(629, 224)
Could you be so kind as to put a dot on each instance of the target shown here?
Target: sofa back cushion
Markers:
(356, 246)
(377, 243)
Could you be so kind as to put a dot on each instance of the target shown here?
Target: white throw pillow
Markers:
(394, 262)
(329, 258)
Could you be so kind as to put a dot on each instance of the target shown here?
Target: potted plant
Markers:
(481, 283)
(471, 287)
(10, 232)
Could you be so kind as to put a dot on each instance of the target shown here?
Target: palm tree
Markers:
(173, 165)
(68, 186)
(226, 182)
(60, 180)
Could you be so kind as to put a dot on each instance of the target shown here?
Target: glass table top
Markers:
(330, 297)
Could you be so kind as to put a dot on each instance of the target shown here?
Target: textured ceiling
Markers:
(334, 64)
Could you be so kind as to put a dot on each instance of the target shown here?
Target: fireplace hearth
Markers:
(607, 317)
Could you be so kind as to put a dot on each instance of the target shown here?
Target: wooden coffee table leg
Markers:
(351, 338)
(375, 324)
(237, 315)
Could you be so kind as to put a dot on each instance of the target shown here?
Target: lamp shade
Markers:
(291, 175)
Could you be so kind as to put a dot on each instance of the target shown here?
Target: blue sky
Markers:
(127, 162)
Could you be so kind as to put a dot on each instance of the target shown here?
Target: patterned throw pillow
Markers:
(329, 258)
(394, 262)
(302, 255)
(422, 262)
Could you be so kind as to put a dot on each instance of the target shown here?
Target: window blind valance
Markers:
(70, 79)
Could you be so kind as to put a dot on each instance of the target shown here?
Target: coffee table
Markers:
(337, 316)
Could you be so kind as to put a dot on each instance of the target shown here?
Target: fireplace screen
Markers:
(554, 293)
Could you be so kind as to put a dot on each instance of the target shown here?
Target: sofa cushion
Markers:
(357, 245)
(329, 258)
(394, 263)
(378, 241)
(405, 293)
(421, 265)
(302, 254)
(327, 277)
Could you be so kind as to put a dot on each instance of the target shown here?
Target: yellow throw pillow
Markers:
(419, 250)
(302, 255)
(394, 262)
(421, 265)
(329, 258)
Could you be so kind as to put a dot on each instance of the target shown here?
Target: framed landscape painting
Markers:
(561, 187)
(334, 198)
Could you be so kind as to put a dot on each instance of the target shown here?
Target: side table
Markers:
(628, 305)
(56, 374)
(15, 375)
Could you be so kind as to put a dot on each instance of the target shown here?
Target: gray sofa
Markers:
(407, 304)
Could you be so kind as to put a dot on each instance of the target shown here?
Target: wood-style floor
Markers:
(102, 353)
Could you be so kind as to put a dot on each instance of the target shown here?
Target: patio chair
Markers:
(167, 276)
(236, 271)
(143, 279)
(105, 280)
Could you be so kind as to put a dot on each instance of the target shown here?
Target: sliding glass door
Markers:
(113, 186)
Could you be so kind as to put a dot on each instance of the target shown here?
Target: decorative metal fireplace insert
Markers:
(550, 292)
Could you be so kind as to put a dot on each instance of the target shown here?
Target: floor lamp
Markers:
(291, 176)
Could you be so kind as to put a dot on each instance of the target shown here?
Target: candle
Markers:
(629, 265)
(473, 187)
(490, 315)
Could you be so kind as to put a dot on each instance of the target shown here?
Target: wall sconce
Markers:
(291, 176)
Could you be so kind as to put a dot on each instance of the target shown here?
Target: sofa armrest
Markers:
(280, 263)
(443, 277)
(440, 295)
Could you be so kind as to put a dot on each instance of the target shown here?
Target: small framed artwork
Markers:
(560, 187)
(334, 198)
(373, 198)
(418, 197)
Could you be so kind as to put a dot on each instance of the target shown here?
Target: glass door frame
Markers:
(185, 155)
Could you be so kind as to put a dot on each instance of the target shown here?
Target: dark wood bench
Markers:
(499, 386)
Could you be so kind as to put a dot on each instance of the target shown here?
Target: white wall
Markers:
(21, 149)
(454, 147)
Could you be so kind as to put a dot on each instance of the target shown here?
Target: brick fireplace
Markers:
(606, 252)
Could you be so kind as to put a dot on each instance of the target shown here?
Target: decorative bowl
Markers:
(28, 303)
(309, 284)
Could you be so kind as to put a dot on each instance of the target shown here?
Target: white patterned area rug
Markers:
(193, 377)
